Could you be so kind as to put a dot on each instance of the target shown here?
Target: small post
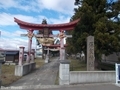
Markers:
(21, 55)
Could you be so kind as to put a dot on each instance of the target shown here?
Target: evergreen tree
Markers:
(101, 19)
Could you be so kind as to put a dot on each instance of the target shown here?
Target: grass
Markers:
(8, 76)
(57, 79)
(39, 62)
(77, 65)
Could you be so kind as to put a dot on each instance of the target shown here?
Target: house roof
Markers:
(11, 52)
(7, 50)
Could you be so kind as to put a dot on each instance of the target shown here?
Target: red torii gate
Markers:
(46, 28)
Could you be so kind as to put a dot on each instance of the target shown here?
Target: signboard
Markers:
(45, 32)
(117, 66)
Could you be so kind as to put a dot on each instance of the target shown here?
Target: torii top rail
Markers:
(64, 26)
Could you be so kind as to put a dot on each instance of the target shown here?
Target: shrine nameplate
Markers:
(45, 32)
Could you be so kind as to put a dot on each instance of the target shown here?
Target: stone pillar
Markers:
(90, 53)
(43, 56)
(62, 53)
(29, 50)
(33, 52)
(21, 55)
(32, 57)
(27, 59)
(64, 73)
(47, 56)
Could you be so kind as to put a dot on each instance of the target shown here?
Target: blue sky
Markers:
(34, 11)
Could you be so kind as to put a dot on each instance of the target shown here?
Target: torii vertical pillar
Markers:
(62, 48)
(30, 35)
(32, 55)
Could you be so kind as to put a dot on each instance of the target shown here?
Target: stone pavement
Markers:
(46, 75)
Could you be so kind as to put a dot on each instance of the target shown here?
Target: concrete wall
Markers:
(92, 77)
(24, 69)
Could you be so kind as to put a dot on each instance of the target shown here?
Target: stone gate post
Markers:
(64, 72)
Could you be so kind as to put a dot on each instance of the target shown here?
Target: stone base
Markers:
(47, 60)
(10, 63)
(24, 69)
(64, 72)
(63, 82)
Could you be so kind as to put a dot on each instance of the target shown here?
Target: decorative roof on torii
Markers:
(64, 26)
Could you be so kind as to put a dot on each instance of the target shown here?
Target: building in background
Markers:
(11, 57)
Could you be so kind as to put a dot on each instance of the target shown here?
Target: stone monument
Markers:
(90, 53)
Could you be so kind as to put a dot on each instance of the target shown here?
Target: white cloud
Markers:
(8, 19)
(63, 6)
(19, 4)
(15, 33)
(15, 43)
(7, 3)
(10, 40)
(61, 19)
